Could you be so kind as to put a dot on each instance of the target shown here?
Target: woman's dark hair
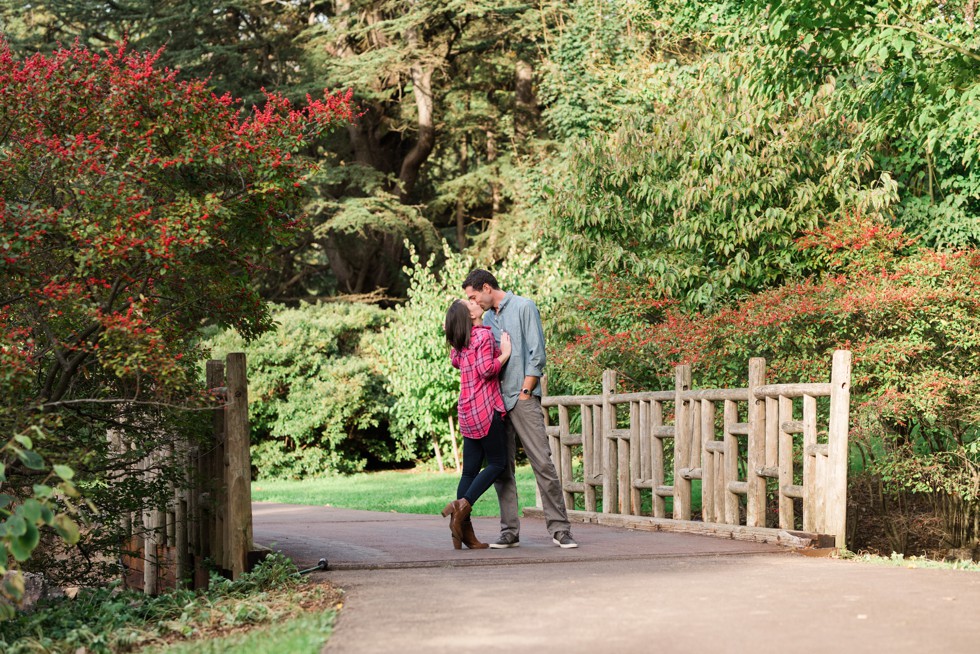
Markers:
(458, 325)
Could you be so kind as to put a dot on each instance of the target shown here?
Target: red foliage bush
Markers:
(133, 207)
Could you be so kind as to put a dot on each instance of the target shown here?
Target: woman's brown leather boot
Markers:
(460, 512)
(469, 536)
(449, 510)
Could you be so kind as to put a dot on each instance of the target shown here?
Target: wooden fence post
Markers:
(682, 443)
(180, 535)
(213, 474)
(637, 422)
(623, 468)
(239, 466)
(837, 447)
(588, 453)
(151, 536)
(563, 453)
(813, 468)
(755, 515)
(610, 455)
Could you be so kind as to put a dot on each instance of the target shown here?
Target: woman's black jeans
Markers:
(475, 482)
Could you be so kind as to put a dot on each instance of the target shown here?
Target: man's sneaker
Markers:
(505, 541)
(564, 540)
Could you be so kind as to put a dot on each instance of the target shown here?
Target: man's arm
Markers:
(534, 346)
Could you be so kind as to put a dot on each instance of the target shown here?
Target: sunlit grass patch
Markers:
(398, 491)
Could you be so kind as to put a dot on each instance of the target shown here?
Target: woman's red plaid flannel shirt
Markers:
(479, 388)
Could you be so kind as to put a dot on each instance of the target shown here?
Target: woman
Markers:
(481, 412)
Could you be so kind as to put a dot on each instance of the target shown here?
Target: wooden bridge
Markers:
(770, 459)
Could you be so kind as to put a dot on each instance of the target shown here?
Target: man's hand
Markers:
(527, 387)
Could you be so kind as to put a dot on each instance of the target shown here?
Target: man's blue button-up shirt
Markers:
(519, 317)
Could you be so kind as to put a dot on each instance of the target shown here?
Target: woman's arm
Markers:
(454, 357)
(487, 365)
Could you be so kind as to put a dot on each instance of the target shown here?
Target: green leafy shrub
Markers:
(316, 401)
(412, 351)
(46, 506)
(109, 619)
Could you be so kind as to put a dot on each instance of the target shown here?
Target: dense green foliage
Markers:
(742, 203)
(109, 619)
(413, 353)
(316, 402)
(905, 76)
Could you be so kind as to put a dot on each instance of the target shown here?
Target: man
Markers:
(519, 317)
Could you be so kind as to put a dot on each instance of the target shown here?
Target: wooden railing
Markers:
(210, 518)
(743, 445)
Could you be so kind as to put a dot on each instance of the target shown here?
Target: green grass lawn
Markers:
(305, 634)
(400, 491)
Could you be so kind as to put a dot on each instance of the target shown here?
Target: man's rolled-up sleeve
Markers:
(533, 341)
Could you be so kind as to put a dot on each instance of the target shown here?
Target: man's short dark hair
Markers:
(477, 278)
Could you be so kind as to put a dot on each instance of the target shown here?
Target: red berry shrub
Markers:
(133, 210)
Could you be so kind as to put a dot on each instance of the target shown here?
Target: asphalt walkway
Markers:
(407, 590)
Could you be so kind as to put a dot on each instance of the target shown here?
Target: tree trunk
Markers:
(338, 264)
(412, 163)
(494, 193)
(460, 206)
(525, 106)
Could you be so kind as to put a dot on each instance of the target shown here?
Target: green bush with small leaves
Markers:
(316, 401)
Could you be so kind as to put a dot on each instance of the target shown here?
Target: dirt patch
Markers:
(881, 522)
(315, 596)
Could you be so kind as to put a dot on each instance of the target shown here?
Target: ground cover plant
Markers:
(108, 619)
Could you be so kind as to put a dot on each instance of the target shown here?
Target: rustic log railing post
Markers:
(589, 419)
(837, 447)
(563, 453)
(610, 456)
(813, 466)
(784, 417)
(213, 471)
(708, 478)
(150, 536)
(635, 456)
(239, 466)
(682, 444)
(658, 482)
(756, 501)
(180, 538)
(623, 466)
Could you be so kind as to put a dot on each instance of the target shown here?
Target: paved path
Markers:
(407, 590)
